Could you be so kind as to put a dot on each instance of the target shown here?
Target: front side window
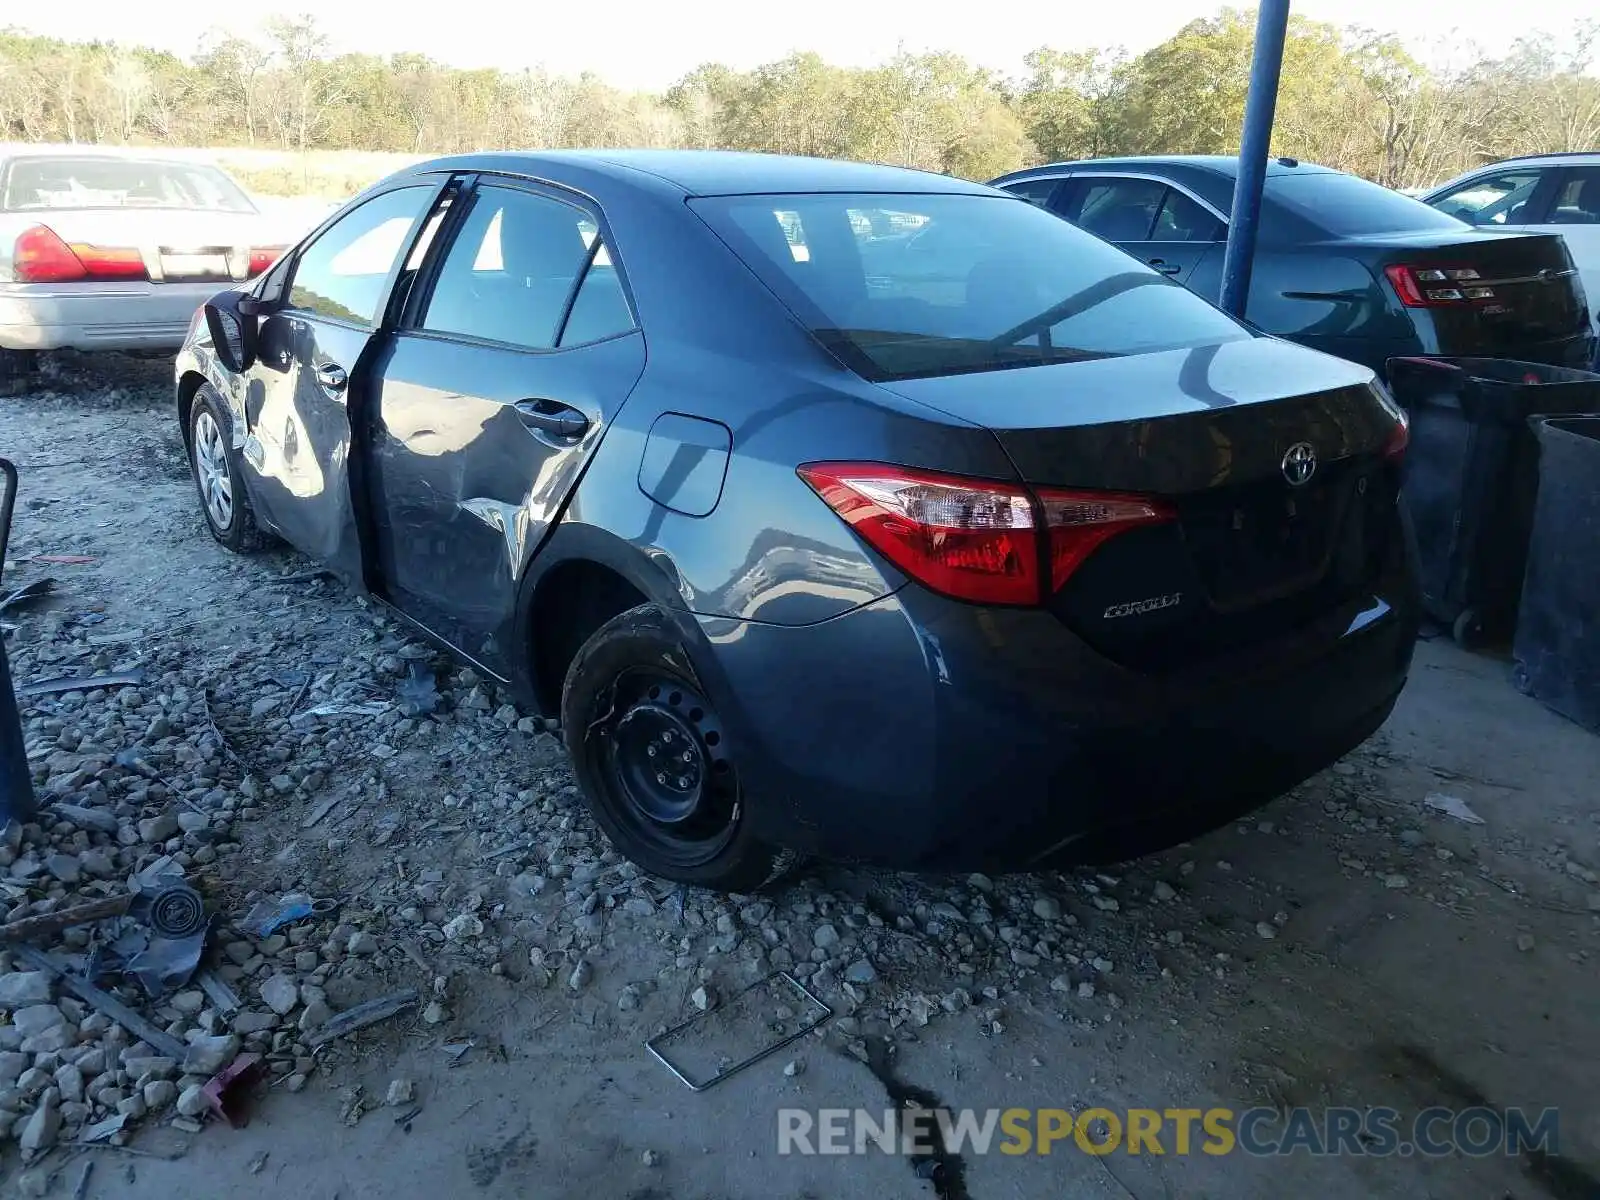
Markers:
(342, 274)
(984, 283)
(512, 269)
(61, 181)
(1490, 199)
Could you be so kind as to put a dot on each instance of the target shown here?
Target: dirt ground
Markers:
(1347, 945)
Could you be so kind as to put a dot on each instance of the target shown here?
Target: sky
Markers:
(648, 44)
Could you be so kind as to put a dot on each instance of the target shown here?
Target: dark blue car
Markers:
(830, 508)
(1343, 265)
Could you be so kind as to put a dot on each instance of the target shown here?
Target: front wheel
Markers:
(654, 760)
(223, 501)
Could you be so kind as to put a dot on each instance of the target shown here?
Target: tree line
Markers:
(1350, 98)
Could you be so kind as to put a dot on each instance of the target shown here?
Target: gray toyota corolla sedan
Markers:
(830, 508)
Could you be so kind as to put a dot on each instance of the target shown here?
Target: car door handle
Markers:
(332, 377)
(1165, 267)
(553, 418)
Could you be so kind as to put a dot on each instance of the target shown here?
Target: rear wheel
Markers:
(223, 501)
(654, 760)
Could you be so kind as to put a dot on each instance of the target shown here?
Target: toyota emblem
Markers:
(1299, 463)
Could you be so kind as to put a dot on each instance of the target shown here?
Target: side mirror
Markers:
(231, 318)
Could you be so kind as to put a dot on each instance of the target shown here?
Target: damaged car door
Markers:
(309, 367)
(516, 349)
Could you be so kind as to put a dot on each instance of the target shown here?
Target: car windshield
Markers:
(1344, 206)
(59, 181)
(901, 286)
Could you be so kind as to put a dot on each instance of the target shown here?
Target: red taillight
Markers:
(262, 258)
(1437, 287)
(975, 539)
(1399, 439)
(1079, 522)
(40, 256)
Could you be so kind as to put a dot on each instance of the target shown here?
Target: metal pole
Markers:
(17, 799)
(1272, 27)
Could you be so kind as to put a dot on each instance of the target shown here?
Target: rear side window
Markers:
(1490, 199)
(1578, 201)
(1184, 219)
(1120, 210)
(342, 274)
(1035, 191)
(512, 270)
(903, 286)
(1342, 205)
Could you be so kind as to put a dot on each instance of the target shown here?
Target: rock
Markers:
(280, 993)
(155, 830)
(435, 1014)
(628, 997)
(1061, 983)
(1106, 903)
(35, 1184)
(794, 1067)
(460, 928)
(156, 1066)
(159, 1093)
(1174, 937)
(1164, 891)
(57, 1037)
(650, 1158)
(703, 998)
(1047, 908)
(20, 989)
(192, 1101)
(69, 1080)
(37, 1018)
(1266, 929)
(1103, 965)
(1086, 990)
(64, 867)
(861, 972)
(1525, 942)
(188, 1003)
(401, 1091)
(361, 943)
(582, 973)
(315, 1015)
(12, 1064)
(1395, 882)
(208, 1055)
(247, 1023)
(39, 1130)
(193, 822)
(825, 937)
(1594, 902)
(981, 881)
(133, 1107)
(295, 1082)
(306, 961)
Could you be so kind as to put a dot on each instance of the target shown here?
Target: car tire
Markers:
(631, 703)
(218, 480)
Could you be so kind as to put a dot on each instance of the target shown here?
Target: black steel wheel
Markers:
(654, 760)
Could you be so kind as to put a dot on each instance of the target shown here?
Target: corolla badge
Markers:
(1299, 463)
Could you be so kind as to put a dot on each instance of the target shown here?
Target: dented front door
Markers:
(489, 403)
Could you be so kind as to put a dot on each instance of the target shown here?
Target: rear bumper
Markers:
(99, 316)
(915, 732)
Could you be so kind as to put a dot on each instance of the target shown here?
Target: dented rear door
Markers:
(520, 347)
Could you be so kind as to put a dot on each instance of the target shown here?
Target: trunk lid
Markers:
(1536, 294)
(1209, 430)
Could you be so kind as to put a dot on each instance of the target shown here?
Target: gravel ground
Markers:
(1346, 945)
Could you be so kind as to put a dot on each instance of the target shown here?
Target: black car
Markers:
(1343, 265)
(828, 507)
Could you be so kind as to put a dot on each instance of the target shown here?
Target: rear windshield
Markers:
(902, 286)
(57, 181)
(1346, 206)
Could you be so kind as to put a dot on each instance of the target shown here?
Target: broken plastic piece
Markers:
(417, 691)
(68, 683)
(266, 917)
(1451, 806)
(26, 594)
(367, 708)
(227, 1091)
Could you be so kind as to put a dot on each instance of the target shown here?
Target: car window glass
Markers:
(1490, 199)
(1034, 191)
(1578, 201)
(1340, 205)
(341, 275)
(600, 309)
(918, 285)
(1120, 210)
(1184, 219)
(508, 274)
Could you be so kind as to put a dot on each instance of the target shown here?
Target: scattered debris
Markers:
(1451, 806)
(228, 1091)
(340, 708)
(75, 683)
(266, 917)
(362, 1015)
(82, 1190)
(418, 692)
(28, 928)
(749, 1007)
(218, 992)
(401, 1092)
(257, 1162)
(65, 560)
(104, 1002)
(21, 597)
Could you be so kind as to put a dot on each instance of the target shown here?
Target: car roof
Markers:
(1558, 158)
(94, 150)
(711, 172)
(1225, 165)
